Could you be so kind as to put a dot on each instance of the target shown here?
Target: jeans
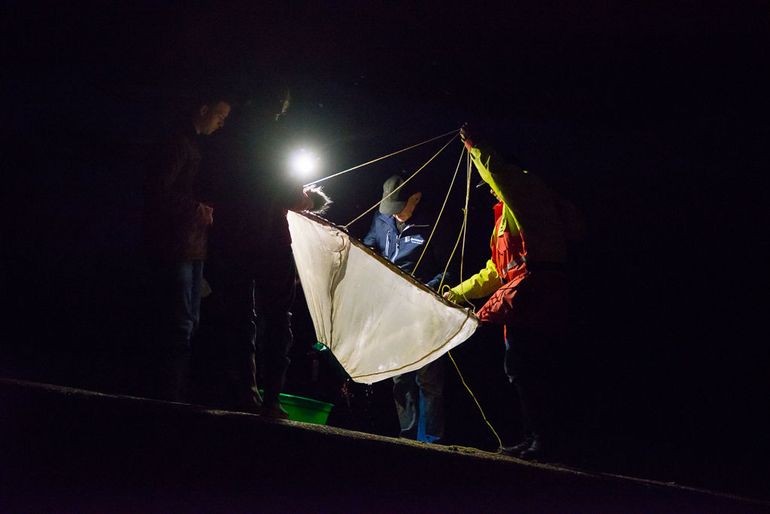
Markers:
(176, 312)
(419, 397)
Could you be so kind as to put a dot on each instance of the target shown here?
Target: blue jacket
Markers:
(403, 248)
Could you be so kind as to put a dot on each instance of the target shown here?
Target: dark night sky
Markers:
(651, 116)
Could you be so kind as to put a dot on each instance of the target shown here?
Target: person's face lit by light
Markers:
(211, 118)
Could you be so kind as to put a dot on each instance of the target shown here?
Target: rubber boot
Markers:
(516, 449)
(246, 394)
(173, 374)
(536, 450)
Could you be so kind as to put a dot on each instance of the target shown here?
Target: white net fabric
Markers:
(376, 320)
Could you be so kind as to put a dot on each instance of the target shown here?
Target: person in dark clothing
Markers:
(418, 394)
(175, 228)
(253, 274)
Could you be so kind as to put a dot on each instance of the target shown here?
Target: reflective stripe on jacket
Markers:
(503, 272)
(509, 252)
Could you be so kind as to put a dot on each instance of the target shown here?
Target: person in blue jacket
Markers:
(419, 395)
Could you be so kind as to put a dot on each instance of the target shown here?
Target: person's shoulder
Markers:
(174, 138)
(381, 223)
(420, 221)
(380, 217)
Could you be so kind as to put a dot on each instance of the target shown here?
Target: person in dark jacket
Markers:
(253, 275)
(175, 229)
(419, 395)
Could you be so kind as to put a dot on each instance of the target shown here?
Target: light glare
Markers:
(303, 163)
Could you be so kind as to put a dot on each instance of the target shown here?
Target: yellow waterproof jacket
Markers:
(529, 205)
(529, 212)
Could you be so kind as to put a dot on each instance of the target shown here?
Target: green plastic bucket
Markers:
(304, 409)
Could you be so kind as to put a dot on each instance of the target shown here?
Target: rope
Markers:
(370, 209)
(435, 224)
(451, 256)
(478, 405)
(461, 235)
(465, 222)
(463, 232)
(456, 131)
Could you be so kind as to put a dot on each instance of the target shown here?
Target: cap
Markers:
(392, 204)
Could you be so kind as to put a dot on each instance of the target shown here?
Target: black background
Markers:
(650, 116)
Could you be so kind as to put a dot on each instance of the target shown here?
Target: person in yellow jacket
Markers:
(526, 284)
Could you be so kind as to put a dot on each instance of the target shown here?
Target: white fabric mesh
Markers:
(377, 321)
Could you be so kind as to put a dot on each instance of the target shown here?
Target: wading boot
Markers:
(516, 449)
(536, 450)
(274, 410)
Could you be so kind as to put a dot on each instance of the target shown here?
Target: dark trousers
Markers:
(252, 334)
(419, 397)
(529, 369)
(175, 292)
(533, 338)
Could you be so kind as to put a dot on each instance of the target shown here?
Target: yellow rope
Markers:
(463, 232)
(468, 175)
(438, 219)
(461, 235)
(370, 209)
(478, 405)
(449, 260)
(456, 131)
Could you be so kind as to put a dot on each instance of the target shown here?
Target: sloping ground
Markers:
(69, 450)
